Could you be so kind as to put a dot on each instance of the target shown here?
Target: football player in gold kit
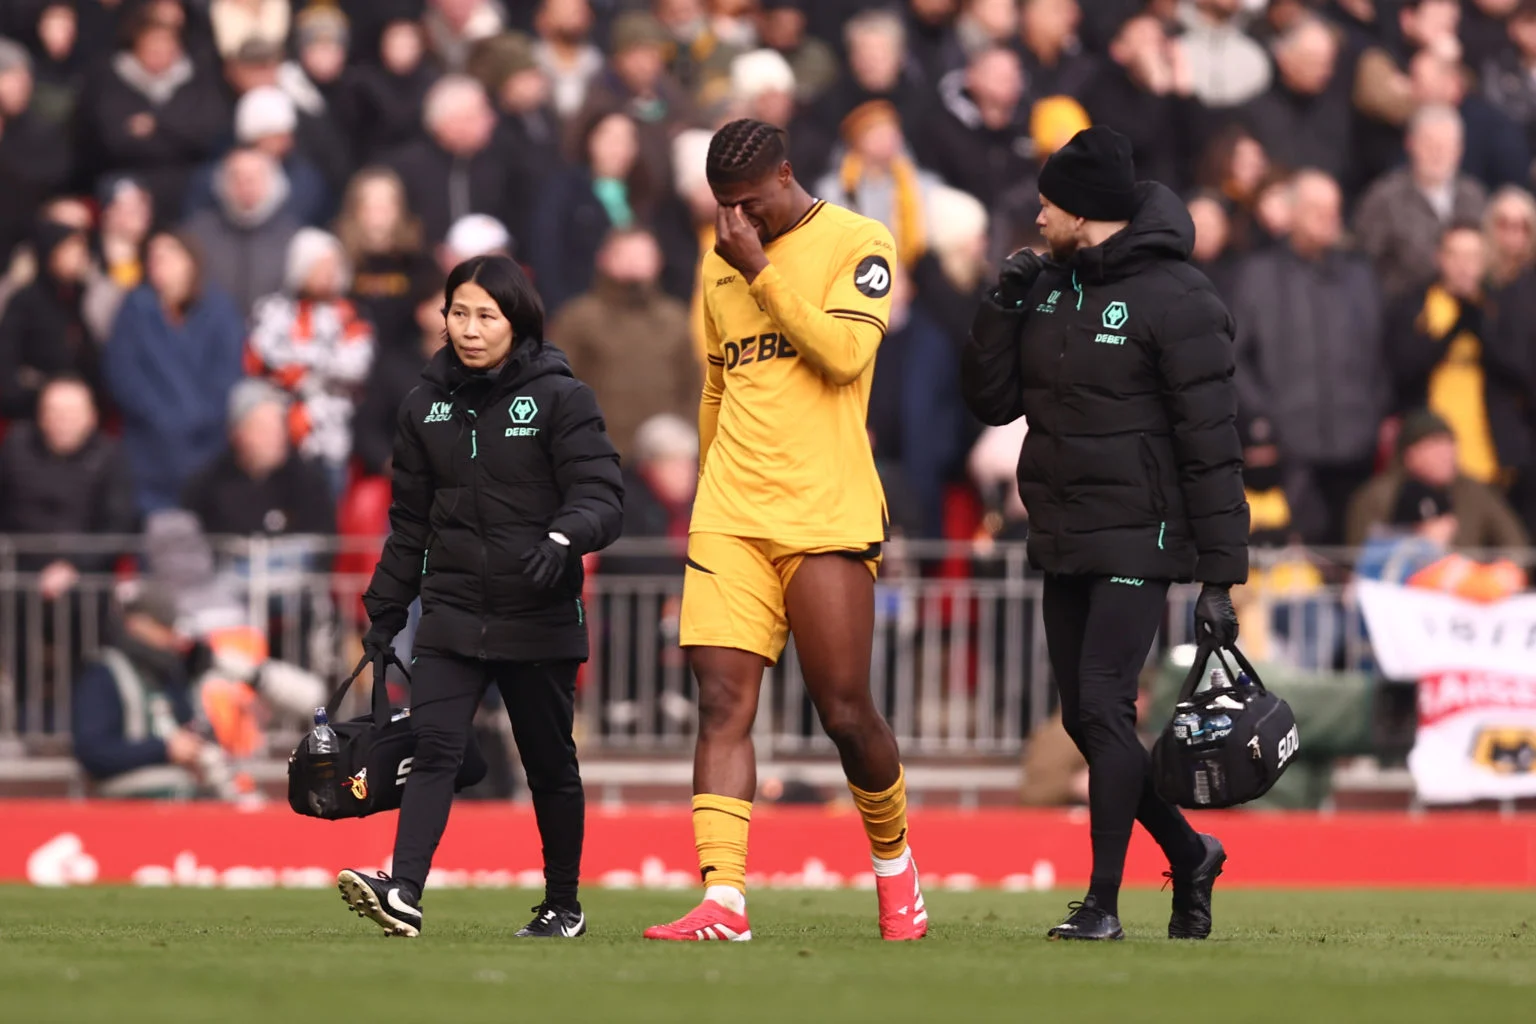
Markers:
(790, 515)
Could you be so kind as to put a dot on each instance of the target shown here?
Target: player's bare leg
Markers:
(724, 760)
(831, 606)
(724, 782)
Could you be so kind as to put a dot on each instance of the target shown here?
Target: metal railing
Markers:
(958, 664)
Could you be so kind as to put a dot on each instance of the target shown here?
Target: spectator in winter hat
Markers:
(763, 87)
(260, 486)
(528, 131)
(325, 90)
(309, 341)
(266, 120)
(245, 238)
(879, 179)
(1423, 488)
(638, 84)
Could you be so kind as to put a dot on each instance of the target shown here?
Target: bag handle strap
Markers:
(380, 663)
(1203, 654)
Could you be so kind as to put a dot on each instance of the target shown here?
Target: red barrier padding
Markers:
(64, 843)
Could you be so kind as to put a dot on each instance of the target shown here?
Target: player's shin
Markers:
(720, 826)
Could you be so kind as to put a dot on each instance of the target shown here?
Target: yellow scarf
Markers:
(1456, 387)
(908, 231)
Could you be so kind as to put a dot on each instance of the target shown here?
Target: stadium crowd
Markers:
(226, 225)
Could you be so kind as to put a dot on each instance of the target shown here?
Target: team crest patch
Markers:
(359, 785)
(872, 277)
(523, 410)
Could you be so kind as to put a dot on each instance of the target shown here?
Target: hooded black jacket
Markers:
(485, 466)
(1122, 363)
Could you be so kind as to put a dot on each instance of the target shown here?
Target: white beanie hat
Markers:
(690, 155)
(308, 246)
(760, 71)
(954, 218)
(666, 435)
(265, 110)
(475, 235)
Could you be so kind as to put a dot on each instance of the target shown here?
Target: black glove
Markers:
(1215, 618)
(545, 562)
(1017, 277)
(380, 639)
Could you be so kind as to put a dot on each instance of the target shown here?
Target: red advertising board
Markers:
(81, 843)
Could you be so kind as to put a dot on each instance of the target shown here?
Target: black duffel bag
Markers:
(1226, 745)
(372, 761)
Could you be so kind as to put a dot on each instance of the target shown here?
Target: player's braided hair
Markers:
(744, 150)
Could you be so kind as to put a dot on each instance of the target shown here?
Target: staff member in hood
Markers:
(503, 478)
(1119, 353)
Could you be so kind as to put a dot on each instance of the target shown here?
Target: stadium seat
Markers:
(363, 514)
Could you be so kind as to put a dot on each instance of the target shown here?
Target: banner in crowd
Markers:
(59, 843)
(1476, 667)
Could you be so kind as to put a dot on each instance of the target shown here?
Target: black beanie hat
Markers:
(1093, 176)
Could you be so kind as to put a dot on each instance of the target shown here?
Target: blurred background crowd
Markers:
(225, 224)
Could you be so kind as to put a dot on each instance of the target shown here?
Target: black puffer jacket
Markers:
(1122, 362)
(484, 467)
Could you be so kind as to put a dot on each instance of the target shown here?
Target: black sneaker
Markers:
(1088, 922)
(392, 906)
(1192, 893)
(552, 922)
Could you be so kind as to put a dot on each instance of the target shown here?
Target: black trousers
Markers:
(541, 702)
(1098, 631)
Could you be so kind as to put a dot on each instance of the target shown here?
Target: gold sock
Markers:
(885, 817)
(720, 826)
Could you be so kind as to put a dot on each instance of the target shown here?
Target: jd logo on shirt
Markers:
(1115, 315)
(522, 411)
(873, 276)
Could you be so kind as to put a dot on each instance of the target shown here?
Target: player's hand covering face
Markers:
(480, 332)
(737, 242)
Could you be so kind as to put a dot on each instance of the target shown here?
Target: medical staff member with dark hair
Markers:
(503, 478)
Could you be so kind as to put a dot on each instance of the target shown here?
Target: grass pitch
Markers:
(170, 956)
